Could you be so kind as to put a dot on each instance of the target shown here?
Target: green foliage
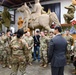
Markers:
(0, 25)
(6, 18)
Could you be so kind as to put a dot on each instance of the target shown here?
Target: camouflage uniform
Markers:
(7, 51)
(74, 58)
(74, 49)
(43, 50)
(70, 43)
(49, 38)
(1, 48)
(18, 56)
(14, 37)
(30, 43)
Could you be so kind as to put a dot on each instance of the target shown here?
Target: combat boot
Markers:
(4, 66)
(9, 66)
(74, 71)
(30, 64)
(41, 65)
(23, 74)
(45, 66)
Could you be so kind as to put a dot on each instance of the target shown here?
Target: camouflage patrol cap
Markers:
(51, 31)
(45, 31)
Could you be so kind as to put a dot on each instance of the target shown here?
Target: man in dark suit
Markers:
(57, 52)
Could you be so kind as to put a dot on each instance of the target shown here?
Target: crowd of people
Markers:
(21, 49)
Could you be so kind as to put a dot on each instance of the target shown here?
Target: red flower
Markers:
(73, 22)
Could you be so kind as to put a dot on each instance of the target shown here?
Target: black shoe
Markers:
(34, 60)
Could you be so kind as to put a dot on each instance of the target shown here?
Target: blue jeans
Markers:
(37, 50)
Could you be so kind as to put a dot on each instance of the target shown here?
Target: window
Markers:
(55, 7)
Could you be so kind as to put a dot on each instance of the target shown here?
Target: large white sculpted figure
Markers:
(37, 10)
(26, 13)
(38, 18)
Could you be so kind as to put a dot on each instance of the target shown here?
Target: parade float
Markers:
(70, 22)
(37, 18)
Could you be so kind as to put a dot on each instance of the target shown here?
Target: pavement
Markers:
(35, 69)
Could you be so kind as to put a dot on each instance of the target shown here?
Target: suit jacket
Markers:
(57, 51)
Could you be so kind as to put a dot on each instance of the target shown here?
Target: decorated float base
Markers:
(65, 25)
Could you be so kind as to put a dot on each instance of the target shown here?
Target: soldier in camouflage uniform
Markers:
(14, 36)
(51, 35)
(46, 33)
(74, 59)
(30, 42)
(1, 47)
(43, 49)
(18, 60)
(7, 51)
(69, 39)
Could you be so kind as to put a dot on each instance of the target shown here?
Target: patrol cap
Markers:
(52, 30)
(45, 31)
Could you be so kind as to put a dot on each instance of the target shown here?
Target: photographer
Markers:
(36, 38)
